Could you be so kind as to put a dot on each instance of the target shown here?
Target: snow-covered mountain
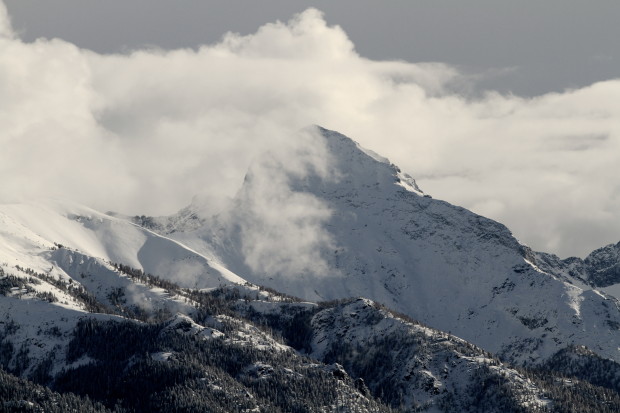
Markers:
(438, 263)
(387, 351)
(115, 299)
(59, 263)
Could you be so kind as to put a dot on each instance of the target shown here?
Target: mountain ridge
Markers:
(448, 267)
(472, 305)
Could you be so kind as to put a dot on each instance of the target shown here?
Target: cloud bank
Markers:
(144, 132)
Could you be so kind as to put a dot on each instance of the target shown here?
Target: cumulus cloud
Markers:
(144, 132)
(6, 30)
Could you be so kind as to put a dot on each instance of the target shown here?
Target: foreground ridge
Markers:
(248, 346)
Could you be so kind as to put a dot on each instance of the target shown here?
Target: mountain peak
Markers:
(362, 167)
(334, 220)
(338, 142)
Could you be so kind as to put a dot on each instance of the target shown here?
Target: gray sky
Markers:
(519, 120)
(524, 47)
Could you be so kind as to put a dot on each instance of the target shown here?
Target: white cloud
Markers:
(144, 132)
(281, 230)
(6, 30)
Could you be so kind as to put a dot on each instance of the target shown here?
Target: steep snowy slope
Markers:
(441, 264)
(30, 234)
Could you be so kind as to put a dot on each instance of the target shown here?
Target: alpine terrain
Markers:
(336, 285)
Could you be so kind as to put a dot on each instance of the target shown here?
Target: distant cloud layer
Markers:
(144, 132)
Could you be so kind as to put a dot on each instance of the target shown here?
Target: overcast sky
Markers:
(517, 119)
(525, 47)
